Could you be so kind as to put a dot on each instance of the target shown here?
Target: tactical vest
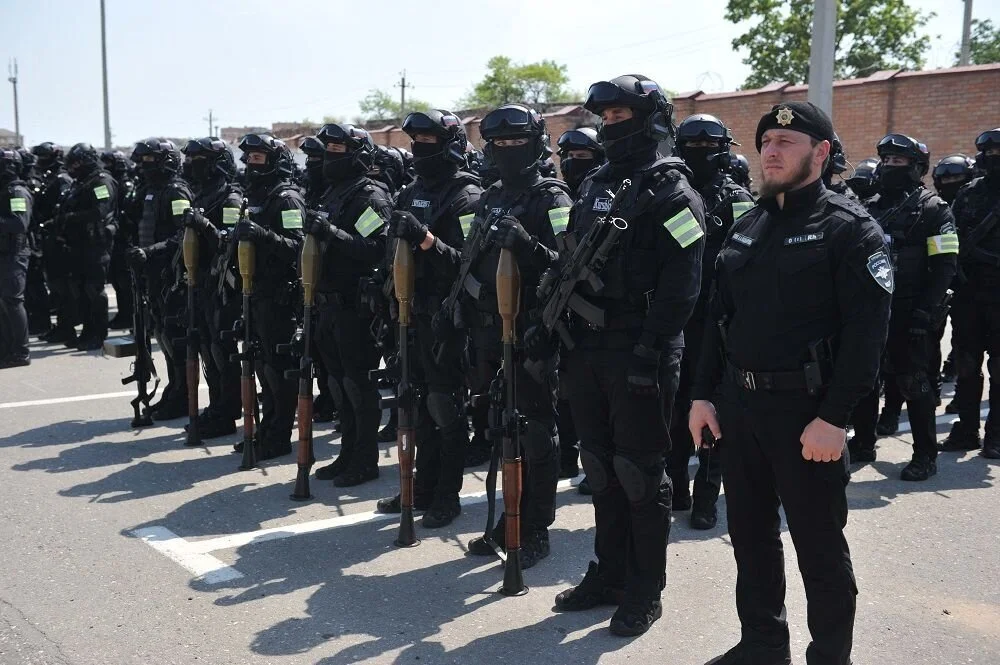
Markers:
(155, 227)
(906, 242)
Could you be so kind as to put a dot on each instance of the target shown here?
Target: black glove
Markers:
(196, 220)
(247, 230)
(642, 377)
(539, 343)
(135, 257)
(443, 324)
(317, 224)
(509, 234)
(405, 226)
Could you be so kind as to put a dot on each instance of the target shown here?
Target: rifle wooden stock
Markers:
(190, 247)
(403, 270)
(509, 304)
(247, 257)
(309, 263)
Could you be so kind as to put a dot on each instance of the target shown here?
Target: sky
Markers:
(255, 62)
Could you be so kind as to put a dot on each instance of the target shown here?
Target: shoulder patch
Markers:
(466, 223)
(178, 206)
(101, 192)
(684, 227)
(230, 216)
(880, 269)
(18, 204)
(291, 219)
(559, 218)
(368, 222)
(741, 208)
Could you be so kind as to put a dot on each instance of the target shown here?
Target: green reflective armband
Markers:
(559, 218)
(18, 205)
(101, 192)
(943, 244)
(741, 208)
(684, 228)
(230, 216)
(368, 223)
(291, 219)
(466, 222)
(178, 206)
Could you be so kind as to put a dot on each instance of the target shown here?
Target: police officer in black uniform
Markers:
(275, 211)
(433, 215)
(580, 152)
(316, 184)
(351, 224)
(36, 293)
(159, 210)
(703, 141)
(15, 219)
(215, 212)
(56, 255)
(388, 169)
(524, 212)
(741, 173)
(118, 165)
(88, 216)
(924, 248)
(624, 372)
(976, 308)
(801, 299)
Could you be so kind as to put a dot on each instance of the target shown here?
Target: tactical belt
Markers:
(767, 381)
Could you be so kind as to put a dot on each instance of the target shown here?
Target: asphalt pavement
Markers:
(123, 546)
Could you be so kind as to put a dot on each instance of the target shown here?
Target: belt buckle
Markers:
(749, 382)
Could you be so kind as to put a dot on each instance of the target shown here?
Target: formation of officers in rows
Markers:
(776, 313)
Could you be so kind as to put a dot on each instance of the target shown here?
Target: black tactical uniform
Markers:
(976, 308)
(119, 167)
(351, 225)
(725, 201)
(864, 181)
(55, 254)
(624, 372)
(15, 218)
(159, 208)
(216, 209)
(88, 217)
(523, 212)
(36, 293)
(801, 299)
(442, 201)
(923, 246)
(574, 170)
(276, 210)
(741, 173)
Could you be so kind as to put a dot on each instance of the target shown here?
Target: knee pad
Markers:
(641, 480)
(538, 441)
(965, 364)
(598, 468)
(445, 409)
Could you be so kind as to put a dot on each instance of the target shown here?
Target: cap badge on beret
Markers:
(784, 116)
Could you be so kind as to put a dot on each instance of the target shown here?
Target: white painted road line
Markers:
(946, 419)
(204, 566)
(77, 398)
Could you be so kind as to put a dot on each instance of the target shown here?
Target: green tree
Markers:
(984, 43)
(507, 82)
(380, 105)
(871, 35)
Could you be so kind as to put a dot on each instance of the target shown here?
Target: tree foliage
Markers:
(380, 105)
(984, 43)
(509, 82)
(871, 35)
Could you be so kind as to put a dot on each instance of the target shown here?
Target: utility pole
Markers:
(104, 74)
(12, 70)
(963, 58)
(211, 123)
(402, 96)
(822, 53)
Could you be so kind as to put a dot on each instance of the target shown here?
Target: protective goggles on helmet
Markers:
(897, 143)
(988, 138)
(575, 140)
(945, 169)
(701, 129)
(509, 120)
(421, 123)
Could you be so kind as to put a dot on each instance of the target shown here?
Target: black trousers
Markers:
(536, 402)
(274, 323)
(977, 334)
(13, 318)
(217, 314)
(708, 479)
(349, 353)
(920, 404)
(36, 296)
(763, 469)
(442, 429)
(624, 441)
(57, 262)
(88, 297)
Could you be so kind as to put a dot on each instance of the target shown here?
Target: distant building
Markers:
(8, 139)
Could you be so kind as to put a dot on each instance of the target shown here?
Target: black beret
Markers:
(803, 117)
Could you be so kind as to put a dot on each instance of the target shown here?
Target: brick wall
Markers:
(944, 108)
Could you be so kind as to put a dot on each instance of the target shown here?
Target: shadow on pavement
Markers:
(69, 431)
